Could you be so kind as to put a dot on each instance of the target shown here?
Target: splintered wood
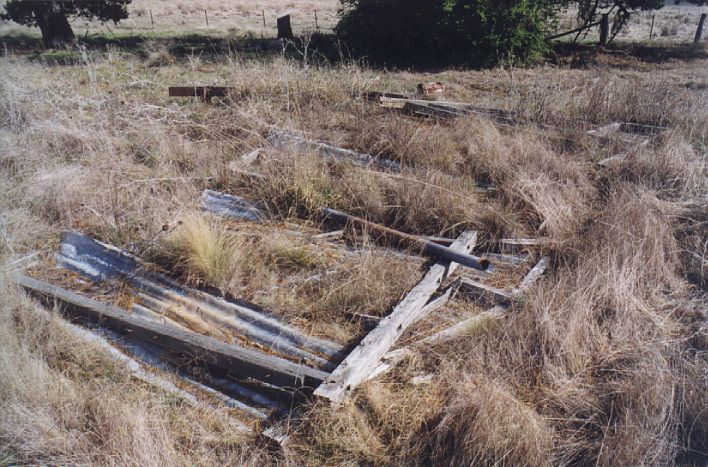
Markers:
(367, 355)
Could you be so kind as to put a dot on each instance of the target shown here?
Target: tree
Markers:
(51, 16)
(445, 32)
(589, 11)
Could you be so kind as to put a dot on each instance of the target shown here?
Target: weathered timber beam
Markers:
(497, 311)
(203, 92)
(283, 140)
(402, 100)
(426, 247)
(230, 206)
(412, 108)
(485, 292)
(514, 260)
(391, 359)
(366, 356)
(515, 245)
(531, 277)
(450, 110)
(377, 96)
(233, 359)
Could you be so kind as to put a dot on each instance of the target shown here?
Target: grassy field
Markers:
(603, 362)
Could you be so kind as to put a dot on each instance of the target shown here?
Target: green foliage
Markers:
(27, 12)
(445, 32)
(51, 15)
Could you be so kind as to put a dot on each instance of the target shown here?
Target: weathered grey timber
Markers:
(366, 356)
(283, 141)
(234, 359)
(230, 206)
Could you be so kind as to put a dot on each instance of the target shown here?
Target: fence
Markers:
(687, 26)
(657, 26)
(258, 22)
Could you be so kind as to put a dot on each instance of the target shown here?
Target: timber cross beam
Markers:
(364, 359)
(205, 93)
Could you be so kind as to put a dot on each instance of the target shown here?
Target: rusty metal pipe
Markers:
(427, 248)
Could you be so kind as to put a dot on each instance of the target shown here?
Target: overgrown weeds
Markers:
(603, 361)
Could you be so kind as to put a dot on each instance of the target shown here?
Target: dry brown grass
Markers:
(603, 362)
(64, 401)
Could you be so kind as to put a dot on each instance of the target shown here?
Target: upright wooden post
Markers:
(285, 31)
(152, 20)
(206, 18)
(651, 29)
(699, 31)
(263, 15)
(604, 28)
(316, 26)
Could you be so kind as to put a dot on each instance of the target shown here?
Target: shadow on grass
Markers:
(178, 45)
(323, 46)
(623, 54)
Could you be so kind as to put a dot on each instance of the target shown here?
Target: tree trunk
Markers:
(52, 22)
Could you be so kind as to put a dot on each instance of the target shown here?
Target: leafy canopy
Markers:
(442, 32)
(27, 12)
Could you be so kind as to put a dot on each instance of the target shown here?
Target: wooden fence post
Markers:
(699, 31)
(316, 26)
(651, 29)
(152, 20)
(206, 18)
(285, 31)
(604, 28)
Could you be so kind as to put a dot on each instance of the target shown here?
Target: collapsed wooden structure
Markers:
(246, 355)
(267, 360)
(445, 110)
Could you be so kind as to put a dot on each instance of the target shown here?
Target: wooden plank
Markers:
(484, 292)
(283, 140)
(531, 277)
(377, 96)
(497, 311)
(203, 92)
(402, 100)
(230, 206)
(234, 359)
(391, 359)
(463, 326)
(525, 241)
(428, 111)
(366, 356)
(425, 247)
(515, 245)
(514, 260)
(334, 235)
